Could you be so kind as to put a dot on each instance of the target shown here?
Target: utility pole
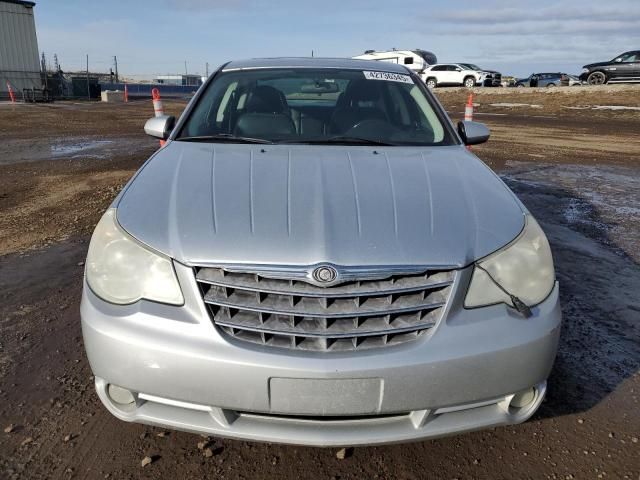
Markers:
(207, 69)
(115, 60)
(185, 68)
(44, 70)
(88, 88)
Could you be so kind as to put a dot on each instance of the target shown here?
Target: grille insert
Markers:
(291, 313)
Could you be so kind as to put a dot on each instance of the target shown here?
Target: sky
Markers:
(157, 37)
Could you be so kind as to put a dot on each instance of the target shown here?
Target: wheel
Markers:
(597, 78)
(469, 82)
(550, 85)
(431, 83)
(520, 85)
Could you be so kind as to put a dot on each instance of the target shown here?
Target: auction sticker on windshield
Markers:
(390, 77)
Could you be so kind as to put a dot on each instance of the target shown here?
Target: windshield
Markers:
(315, 106)
(471, 66)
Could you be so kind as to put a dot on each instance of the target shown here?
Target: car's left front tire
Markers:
(597, 78)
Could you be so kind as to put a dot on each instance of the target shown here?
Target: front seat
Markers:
(266, 115)
(361, 101)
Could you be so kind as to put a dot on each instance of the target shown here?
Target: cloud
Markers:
(565, 12)
(552, 28)
(566, 19)
(523, 34)
(205, 4)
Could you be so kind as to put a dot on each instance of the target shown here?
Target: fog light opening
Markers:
(523, 400)
(121, 396)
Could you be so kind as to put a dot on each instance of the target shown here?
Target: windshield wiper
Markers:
(223, 137)
(341, 139)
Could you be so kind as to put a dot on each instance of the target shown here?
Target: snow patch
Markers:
(513, 105)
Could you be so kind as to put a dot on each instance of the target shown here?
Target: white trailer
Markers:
(416, 60)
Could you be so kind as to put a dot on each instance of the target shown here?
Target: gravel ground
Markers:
(577, 170)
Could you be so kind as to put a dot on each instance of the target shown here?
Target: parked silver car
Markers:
(314, 257)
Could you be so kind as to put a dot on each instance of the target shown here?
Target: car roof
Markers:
(314, 62)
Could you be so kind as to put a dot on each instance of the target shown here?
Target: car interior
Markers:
(313, 109)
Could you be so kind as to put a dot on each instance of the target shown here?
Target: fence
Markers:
(36, 86)
(20, 81)
(144, 89)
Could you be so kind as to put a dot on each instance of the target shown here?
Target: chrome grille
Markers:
(292, 313)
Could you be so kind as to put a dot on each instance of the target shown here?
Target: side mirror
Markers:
(618, 60)
(160, 127)
(473, 133)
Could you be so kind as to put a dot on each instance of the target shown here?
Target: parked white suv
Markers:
(466, 74)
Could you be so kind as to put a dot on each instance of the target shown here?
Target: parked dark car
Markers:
(624, 68)
(544, 80)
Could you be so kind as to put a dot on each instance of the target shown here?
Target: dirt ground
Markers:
(575, 165)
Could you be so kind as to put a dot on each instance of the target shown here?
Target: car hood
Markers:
(300, 205)
(597, 64)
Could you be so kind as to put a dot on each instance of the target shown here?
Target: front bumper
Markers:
(490, 82)
(186, 375)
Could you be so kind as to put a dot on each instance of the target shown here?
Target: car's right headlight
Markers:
(524, 268)
(121, 270)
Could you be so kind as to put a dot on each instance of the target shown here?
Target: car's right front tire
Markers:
(432, 83)
(597, 78)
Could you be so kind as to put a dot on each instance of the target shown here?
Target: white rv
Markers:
(416, 60)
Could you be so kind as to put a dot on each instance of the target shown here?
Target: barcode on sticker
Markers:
(389, 77)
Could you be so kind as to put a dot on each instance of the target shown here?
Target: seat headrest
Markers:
(263, 125)
(266, 99)
(363, 91)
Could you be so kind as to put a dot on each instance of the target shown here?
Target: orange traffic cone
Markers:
(468, 109)
(11, 94)
(158, 108)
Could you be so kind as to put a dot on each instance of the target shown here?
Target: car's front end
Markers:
(319, 294)
(489, 78)
(587, 75)
(584, 75)
(472, 369)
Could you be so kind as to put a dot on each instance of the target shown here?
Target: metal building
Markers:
(183, 79)
(19, 59)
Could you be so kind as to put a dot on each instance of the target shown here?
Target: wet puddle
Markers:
(37, 149)
(72, 150)
(603, 199)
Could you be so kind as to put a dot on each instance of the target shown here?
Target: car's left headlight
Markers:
(524, 268)
(121, 270)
